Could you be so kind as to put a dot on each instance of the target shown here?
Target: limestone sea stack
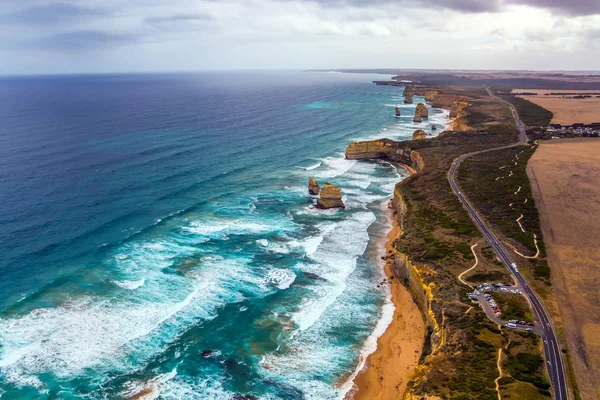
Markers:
(331, 197)
(433, 127)
(417, 117)
(419, 134)
(313, 186)
(423, 110)
(397, 112)
(408, 98)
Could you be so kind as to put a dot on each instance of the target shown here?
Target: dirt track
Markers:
(565, 176)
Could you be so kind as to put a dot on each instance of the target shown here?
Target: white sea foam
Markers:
(131, 285)
(194, 388)
(281, 278)
(148, 390)
(315, 166)
(336, 259)
(109, 332)
(336, 166)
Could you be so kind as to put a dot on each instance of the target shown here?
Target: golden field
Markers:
(566, 111)
(565, 177)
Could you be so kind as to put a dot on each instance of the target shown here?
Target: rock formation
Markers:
(423, 110)
(419, 134)
(331, 197)
(313, 186)
(433, 127)
(408, 98)
(417, 117)
(397, 112)
(386, 149)
(454, 110)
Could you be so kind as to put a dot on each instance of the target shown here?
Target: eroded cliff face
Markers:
(386, 149)
(422, 293)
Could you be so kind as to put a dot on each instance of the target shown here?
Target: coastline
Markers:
(387, 370)
(391, 366)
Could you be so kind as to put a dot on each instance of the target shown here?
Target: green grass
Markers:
(513, 306)
(530, 113)
(482, 171)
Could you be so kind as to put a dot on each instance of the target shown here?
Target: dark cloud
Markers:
(569, 7)
(84, 40)
(53, 13)
(468, 6)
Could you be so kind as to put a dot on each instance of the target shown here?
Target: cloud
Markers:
(180, 18)
(84, 40)
(569, 7)
(468, 6)
(49, 14)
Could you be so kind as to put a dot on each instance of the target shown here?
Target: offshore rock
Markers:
(397, 112)
(433, 127)
(331, 197)
(419, 134)
(313, 186)
(422, 110)
(408, 98)
(417, 117)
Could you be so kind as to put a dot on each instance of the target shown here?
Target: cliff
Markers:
(419, 134)
(411, 277)
(386, 149)
(331, 197)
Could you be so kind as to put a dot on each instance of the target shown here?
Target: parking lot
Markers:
(482, 295)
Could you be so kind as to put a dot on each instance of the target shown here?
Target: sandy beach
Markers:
(389, 369)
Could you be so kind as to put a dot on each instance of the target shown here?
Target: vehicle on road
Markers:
(511, 325)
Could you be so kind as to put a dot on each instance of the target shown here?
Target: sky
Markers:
(87, 36)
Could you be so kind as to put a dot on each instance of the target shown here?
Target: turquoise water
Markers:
(158, 237)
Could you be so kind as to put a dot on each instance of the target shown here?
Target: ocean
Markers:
(158, 240)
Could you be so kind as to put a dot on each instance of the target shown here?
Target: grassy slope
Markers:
(494, 203)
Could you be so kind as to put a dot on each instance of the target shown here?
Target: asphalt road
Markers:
(552, 354)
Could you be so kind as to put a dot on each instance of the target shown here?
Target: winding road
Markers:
(554, 363)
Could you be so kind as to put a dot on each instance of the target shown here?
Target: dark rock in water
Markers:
(433, 127)
(397, 112)
(244, 397)
(207, 353)
(314, 277)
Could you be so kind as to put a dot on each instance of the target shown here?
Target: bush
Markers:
(542, 270)
(506, 380)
